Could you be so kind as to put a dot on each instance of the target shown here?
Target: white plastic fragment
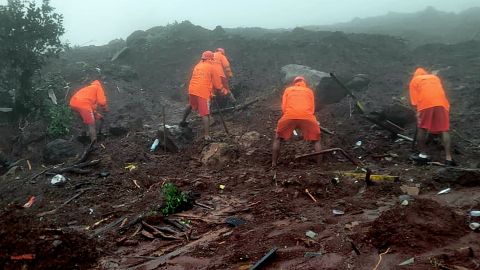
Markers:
(58, 180)
(444, 191)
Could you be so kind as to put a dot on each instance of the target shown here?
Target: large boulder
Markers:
(177, 137)
(312, 76)
(327, 90)
(218, 155)
(59, 151)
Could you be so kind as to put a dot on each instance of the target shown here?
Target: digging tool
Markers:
(387, 125)
(221, 116)
(358, 104)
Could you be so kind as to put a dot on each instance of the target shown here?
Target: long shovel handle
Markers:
(221, 116)
(349, 92)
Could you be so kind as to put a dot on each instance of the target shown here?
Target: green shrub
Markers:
(60, 121)
(175, 199)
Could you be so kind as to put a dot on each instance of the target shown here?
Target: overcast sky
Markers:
(96, 22)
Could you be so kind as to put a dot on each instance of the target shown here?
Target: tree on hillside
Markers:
(29, 35)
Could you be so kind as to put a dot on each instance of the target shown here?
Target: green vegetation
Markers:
(61, 119)
(29, 34)
(174, 198)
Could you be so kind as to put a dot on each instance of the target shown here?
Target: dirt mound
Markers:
(42, 247)
(417, 227)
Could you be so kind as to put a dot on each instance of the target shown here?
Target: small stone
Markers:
(56, 243)
(311, 234)
(408, 262)
(312, 254)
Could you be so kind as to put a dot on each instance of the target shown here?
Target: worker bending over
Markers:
(428, 97)
(86, 102)
(202, 86)
(222, 69)
(298, 112)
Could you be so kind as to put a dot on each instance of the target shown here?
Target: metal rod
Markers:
(221, 115)
(164, 130)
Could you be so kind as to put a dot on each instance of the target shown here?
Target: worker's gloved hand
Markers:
(224, 91)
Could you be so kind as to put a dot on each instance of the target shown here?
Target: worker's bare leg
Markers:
(275, 150)
(92, 132)
(206, 127)
(99, 124)
(447, 144)
(318, 147)
(421, 140)
(187, 112)
(231, 97)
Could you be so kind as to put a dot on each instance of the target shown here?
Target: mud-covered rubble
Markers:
(231, 177)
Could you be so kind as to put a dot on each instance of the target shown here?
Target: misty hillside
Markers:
(427, 26)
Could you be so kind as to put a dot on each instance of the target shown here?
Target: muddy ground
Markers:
(101, 227)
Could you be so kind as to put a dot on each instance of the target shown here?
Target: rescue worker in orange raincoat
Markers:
(202, 87)
(86, 101)
(428, 97)
(298, 112)
(222, 69)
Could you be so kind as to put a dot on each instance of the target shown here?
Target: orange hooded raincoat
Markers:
(426, 91)
(203, 80)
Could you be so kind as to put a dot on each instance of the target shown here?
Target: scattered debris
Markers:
(338, 212)
(104, 174)
(222, 187)
(135, 182)
(130, 167)
(234, 221)
(412, 191)
(475, 213)
(265, 259)
(154, 145)
(331, 150)
(444, 191)
(58, 180)
(62, 205)
(474, 226)
(311, 234)
(310, 195)
(373, 177)
(24, 257)
(30, 202)
(354, 247)
(404, 197)
(351, 225)
(407, 262)
(309, 254)
(380, 258)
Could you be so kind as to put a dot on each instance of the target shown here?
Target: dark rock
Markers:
(359, 82)
(458, 176)
(60, 150)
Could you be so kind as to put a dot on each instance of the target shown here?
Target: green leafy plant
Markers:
(61, 119)
(175, 199)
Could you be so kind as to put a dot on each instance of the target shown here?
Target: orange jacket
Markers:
(204, 80)
(298, 102)
(90, 96)
(222, 65)
(426, 91)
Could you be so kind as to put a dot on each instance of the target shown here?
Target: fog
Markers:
(96, 22)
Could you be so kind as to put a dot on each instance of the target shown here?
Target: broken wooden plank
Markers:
(62, 205)
(343, 152)
(265, 259)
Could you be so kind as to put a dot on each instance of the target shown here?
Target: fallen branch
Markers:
(326, 130)
(108, 227)
(310, 195)
(237, 108)
(380, 258)
(345, 154)
(63, 204)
